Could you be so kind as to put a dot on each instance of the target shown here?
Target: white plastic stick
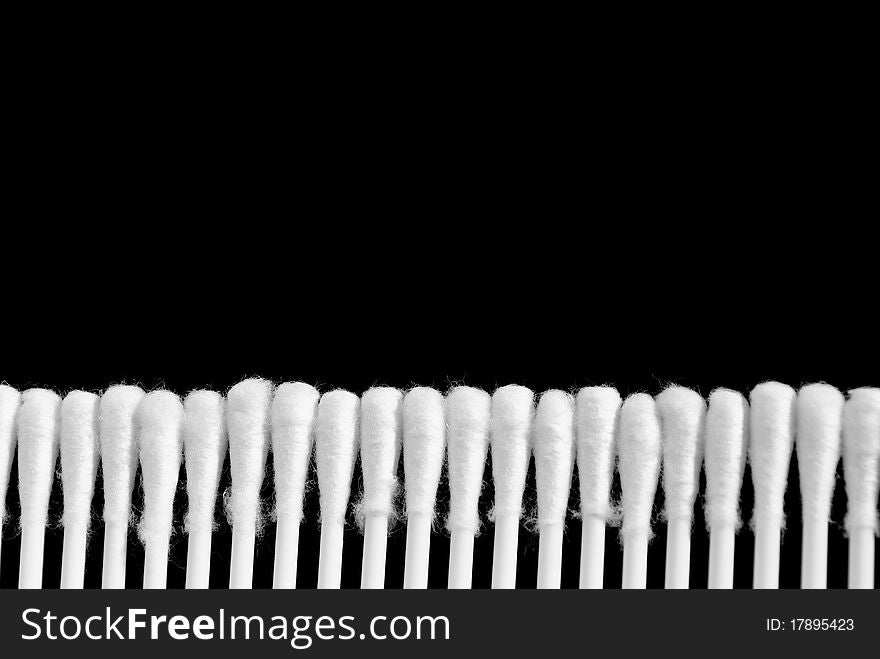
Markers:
(38, 431)
(10, 399)
(418, 546)
(554, 461)
(198, 559)
(159, 423)
(461, 560)
(639, 448)
(861, 457)
(336, 445)
(424, 447)
(682, 413)
(818, 438)
(204, 447)
(772, 434)
(381, 433)
(118, 447)
(79, 466)
(597, 412)
(468, 414)
(727, 422)
(721, 554)
(513, 411)
(293, 424)
(375, 548)
(247, 421)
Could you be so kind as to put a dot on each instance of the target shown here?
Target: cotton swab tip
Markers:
(381, 436)
(819, 408)
(10, 399)
(159, 422)
(639, 448)
(770, 445)
(727, 424)
(861, 456)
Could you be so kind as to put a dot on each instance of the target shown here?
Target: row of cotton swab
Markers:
(676, 431)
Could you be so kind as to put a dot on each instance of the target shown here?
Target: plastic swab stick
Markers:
(118, 446)
(819, 409)
(336, 445)
(467, 412)
(204, 447)
(727, 423)
(247, 421)
(38, 430)
(861, 463)
(293, 426)
(381, 428)
(159, 423)
(771, 437)
(597, 410)
(424, 446)
(513, 412)
(554, 461)
(639, 466)
(682, 413)
(79, 466)
(10, 399)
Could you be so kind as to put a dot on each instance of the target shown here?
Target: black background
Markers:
(294, 319)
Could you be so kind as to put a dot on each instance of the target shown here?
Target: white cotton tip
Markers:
(467, 417)
(861, 457)
(727, 432)
(513, 414)
(118, 447)
(293, 430)
(554, 456)
(247, 421)
(424, 446)
(204, 447)
(336, 445)
(159, 424)
(639, 449)
(10, 399)
(771, 438)
(818, 427)
(682, 413)
(819, 408)
(596, 424)
(79, 454)
(381, 436)
(39, 423)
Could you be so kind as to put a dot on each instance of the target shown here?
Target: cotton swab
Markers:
(204, 447)
(554, 461)
(819, 409)
(293, 421)
(10, 399)
(424, 446)
(38, 430)
(336, 445)
(468, 413)
(159, 423)
(118, 446)
(727, 423)
(639, 450)
(597, 411)
(861, 458)
(79, 466)
(247, 420)
(381, 429)
(772, 434)
(682, 412)
(513, 412)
